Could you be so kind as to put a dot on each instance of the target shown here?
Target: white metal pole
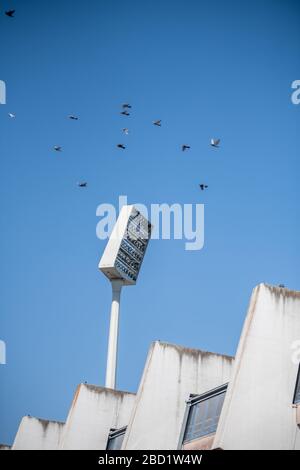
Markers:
(111, 367)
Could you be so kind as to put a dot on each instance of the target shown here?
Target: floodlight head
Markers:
(126, 247)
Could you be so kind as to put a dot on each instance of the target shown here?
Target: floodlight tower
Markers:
(121, 263)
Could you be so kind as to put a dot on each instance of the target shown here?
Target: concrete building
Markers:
(93, 413)
(260, 407)
(171, 374)
(38, 434)
(191, 399)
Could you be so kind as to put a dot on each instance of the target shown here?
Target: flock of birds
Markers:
(126, 109)
(125, 112)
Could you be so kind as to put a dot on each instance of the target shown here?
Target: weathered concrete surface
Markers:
(258, 411)
(38, 434)
(94, 411)
(171, 374)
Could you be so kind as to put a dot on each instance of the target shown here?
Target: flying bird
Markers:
(126, 106)
(82, 184)
(125, 130)
(57, 148)
(125, 113)
(203, 186)
(215, 142)
(185, 147)
(10, 13)
(74, 118)
(121, 146)
(282, 286)
(157, 123)
(11, 115)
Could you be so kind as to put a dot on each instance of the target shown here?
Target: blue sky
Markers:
(206, 68)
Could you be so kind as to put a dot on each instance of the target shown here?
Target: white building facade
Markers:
(191, 399)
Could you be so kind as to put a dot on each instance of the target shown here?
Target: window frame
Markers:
(114, 433)
(297, 388)
(193, 400)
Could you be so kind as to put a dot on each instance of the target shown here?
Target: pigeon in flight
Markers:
(126, 106)
(121, 146)
(203, 186)
(215, 142)
(10, 13)
(157, 123)
(11, 115)
(125, 113)
(74, 118)
(125, 130)
(185, 147)
(82, 184)
(57, 148)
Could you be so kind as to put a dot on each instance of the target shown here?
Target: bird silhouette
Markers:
(82, 184)
(125, 130)
(125, 113)
(121, 146)
(126, 106)
(74, 118)
(10, 13)
(11, 115)
(57, 148)
(215, 142)
(203, 186)
(157, 123)
(185, 147)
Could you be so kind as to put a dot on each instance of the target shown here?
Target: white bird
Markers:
(11, 115)
(125, 130)
(215, 142)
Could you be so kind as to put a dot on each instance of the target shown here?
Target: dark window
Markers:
(297, 389)
(204, 413)
(115, 439)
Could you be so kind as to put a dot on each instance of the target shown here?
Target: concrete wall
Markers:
(38, 434)
(258, 411)
(94, 411)
(171, 373)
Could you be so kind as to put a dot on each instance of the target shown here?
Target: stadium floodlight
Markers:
(121, 263)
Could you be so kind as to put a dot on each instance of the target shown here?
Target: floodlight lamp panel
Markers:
(126, 247)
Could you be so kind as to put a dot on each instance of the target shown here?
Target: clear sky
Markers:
(207, 68)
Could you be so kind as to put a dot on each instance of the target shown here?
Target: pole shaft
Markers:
(111, 367)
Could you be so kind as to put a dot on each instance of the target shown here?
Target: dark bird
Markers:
(185, 147)
(82, 184)
(281, 285)
(10, 13)
(126, 106)
(215, 142)
(125, 113)
(203, 186)
(121, 146)
(157, 123)
(57, 148)
(74, 118)
(125, 130)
